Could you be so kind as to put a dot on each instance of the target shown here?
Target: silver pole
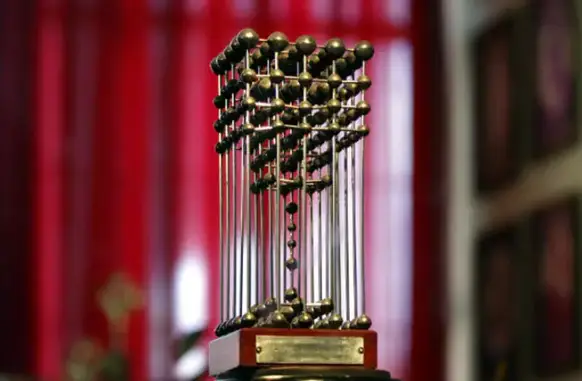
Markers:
(362, 254)
(346, 234)
(246, 190)
(234, 162)
(221, 219)
(278, 197)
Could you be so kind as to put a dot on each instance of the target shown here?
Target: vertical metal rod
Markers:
(228, 158)
(287, 275)
(303, 232)
(278, 196)
(329, 243)
(243, 235)
(248, 255)
(351, 259)
(256, 248)
(361, 226)
(331, 227)
(221, 219)
(303, 216)
(273, 249)
(320, 242)
(283, 226)
(263, 258)
(353, 230)
(311, 251)
(234, 216)
(282, 248)
(346, 235)
(336, 257)
(270, 206)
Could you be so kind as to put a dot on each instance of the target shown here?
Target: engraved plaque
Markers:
(310, 350)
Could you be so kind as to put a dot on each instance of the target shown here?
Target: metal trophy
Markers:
(290, 151)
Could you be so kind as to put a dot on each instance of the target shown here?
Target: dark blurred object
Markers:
(115, 366)
(13, 377)
(557, 48)
(557, 288)
(497, 306)
(185, 344)
(497, 133)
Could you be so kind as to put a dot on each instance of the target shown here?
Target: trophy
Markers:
(291, 129)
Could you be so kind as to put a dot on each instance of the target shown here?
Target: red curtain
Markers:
(123, 175)
(16, 121)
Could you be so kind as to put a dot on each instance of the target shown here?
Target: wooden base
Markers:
(268, 347)
(307, 373)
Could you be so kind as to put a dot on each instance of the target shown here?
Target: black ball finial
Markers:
(363, 107)
(262, 311)
(278, 320)
(326, 306)
(249, 76)
(290, 294)
(364, 50)
(305, 320)
(335, 48)
(334, 80)
(249, 103)
(278, 126)
(222, 62)
(248, 320)
(335, 321)
(277, 76)
(305, 108)
(363, 322)
(291, 264)
(291, 208)
(326, 180)
(248, 38)
(288, 312)
(271, 304)
(216, 67)
(305, 79)
(297, 305)
(306, 44)
(232, 56)
(334, 105)
(278, 41)
(277, 106)
(237, 323)
(363, 130)
(237, 47)
(219, 331)
(247, 129)
(364, 82)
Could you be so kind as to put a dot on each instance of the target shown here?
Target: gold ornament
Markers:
(118, 298)
(84, 361)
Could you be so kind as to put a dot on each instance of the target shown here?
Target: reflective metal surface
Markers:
(309, 350)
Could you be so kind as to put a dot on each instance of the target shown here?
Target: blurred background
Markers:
(109, 193)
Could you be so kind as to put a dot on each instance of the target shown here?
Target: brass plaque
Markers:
(310, 350)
